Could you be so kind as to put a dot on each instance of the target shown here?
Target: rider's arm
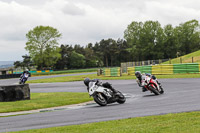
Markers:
(98, 81)
(139, 82)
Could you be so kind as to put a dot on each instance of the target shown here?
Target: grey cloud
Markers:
(72, 9)
(85, 21)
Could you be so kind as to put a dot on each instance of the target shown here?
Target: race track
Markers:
(181, 95)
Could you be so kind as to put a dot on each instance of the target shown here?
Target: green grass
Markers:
(93, 76)
(66, 72)
(76, 78)
(169, 123)
(44, 100)
(186, 58)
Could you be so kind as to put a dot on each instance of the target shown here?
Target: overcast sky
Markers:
(84, 21)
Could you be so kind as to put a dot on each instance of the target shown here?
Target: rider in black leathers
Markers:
(106, 85)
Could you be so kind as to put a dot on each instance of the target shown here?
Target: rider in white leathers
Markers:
(139, 79)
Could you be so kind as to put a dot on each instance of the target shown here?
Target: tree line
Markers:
(142, 41)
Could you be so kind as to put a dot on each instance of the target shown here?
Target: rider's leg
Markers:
(108, 85)
(144, 89)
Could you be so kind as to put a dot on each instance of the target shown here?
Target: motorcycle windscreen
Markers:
(92, 88)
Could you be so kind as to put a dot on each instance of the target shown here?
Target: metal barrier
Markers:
(166, 69)
(110, 72)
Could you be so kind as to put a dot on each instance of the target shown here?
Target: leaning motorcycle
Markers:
(104, 96)
(152, 85)
(23, 78)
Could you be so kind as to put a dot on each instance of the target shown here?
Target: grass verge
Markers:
(186, 58)
(45, 100)
(170, 123)
(93, 76)
(66, 72)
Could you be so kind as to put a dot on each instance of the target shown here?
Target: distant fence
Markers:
(179, 60)
(110, 72)
(17, 74)
(166, 69)
(125, 65)
(42, 71)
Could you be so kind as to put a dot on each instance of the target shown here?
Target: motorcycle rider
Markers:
(106, 85)
(25, 72)
(139, 79)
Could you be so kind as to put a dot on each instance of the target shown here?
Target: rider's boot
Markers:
(108, 85)
(144, 89)
(115, 92)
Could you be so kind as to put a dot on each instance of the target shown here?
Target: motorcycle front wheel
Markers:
(162, 91)
(155, 91)
(100, 99)
(121, 99)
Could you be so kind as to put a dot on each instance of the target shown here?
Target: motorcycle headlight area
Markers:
(95, 88)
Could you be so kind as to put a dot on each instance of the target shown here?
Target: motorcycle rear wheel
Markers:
(100, 99)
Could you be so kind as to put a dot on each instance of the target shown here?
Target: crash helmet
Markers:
(86, 81)
(138, 74)
(26, 70)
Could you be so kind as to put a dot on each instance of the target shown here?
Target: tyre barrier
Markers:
(14, 92)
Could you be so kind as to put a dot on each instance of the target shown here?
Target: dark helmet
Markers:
(86, 81)
(138, 74)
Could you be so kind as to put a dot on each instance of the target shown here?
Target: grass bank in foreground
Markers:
(169, 123)
(44, 100)
(94, 76)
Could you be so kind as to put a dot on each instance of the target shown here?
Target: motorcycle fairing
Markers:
(95, 88)
(25, 75)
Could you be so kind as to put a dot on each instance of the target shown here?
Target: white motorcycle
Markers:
(104, 96)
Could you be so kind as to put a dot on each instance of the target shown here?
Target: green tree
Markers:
(63, 62)
(132, 35)
(77, 60)
(170, 47)
(17, 64)
(42, 45)
(106, 48)
(145, 40)
(27, 62)
(90, 57)
(124, 54)
(188, 37)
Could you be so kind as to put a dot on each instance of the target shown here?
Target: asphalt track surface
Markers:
(181, 95)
